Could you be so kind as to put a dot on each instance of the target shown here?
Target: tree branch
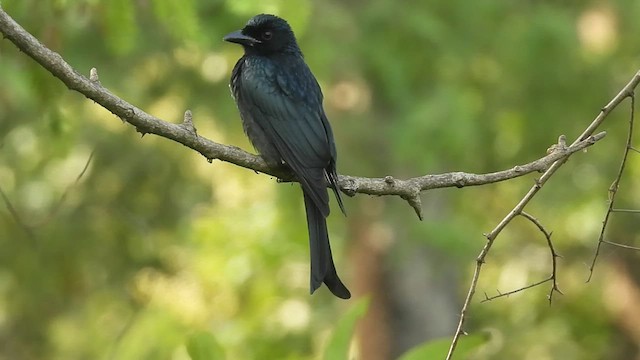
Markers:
(627, 91)
(613, 191)
(554, 266)
(408, 189)
(186, 135)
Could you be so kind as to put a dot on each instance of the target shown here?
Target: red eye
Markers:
(267, 35)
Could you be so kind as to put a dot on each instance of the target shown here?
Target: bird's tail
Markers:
(322, 267)
(332, 178)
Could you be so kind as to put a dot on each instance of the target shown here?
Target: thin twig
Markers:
(554, 264)
(64, 195)
(613, 189)
(554, 255)
(509, 293)
(621, 245)
(624, 93)
(115, 347)
(16, 216)
(633, 211)
(407, 189)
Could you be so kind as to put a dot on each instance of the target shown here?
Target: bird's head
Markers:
(265, 34)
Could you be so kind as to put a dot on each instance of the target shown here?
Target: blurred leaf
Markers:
(203, 346)
(179, 17)
(121, 26)
(338, 347)
(438, 349)
(139, 252)
(252, 7)
(296, 12)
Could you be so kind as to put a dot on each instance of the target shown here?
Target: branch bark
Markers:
(627, 91)
(185, 134)
(408, 189)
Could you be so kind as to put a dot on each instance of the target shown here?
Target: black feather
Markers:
(280, 103)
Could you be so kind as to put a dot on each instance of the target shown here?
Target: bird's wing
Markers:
(308, 92)
(290, 113)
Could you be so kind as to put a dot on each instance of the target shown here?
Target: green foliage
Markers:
(338, 347)
(203, 346)
(179, 18)
(122, 30)
(438, 349)
(154, 253)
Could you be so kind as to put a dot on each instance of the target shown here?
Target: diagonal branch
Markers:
(186, 135)
(613, 191)
(409, 189)
(627, 91)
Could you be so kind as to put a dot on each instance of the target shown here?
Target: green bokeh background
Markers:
(153, 249)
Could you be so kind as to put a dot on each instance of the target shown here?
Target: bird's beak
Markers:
(239, 38)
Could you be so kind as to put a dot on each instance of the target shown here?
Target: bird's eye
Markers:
(267, 35)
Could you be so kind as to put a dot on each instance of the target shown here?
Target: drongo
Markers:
(280, 103)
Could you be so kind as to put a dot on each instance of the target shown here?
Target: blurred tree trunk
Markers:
(367, 255)
(412, 287)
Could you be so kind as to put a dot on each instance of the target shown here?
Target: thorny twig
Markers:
(409, 189)
(554, 265)
(613, 191)
(517, 210)
(628, 247)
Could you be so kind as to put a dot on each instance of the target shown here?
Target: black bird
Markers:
(280, 104)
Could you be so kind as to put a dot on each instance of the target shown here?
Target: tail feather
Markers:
(332, 178)
(322, 266)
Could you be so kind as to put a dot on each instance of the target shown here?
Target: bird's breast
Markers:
(254, 76)
(258, 69)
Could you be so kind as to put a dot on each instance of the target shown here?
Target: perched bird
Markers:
(280, 103)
